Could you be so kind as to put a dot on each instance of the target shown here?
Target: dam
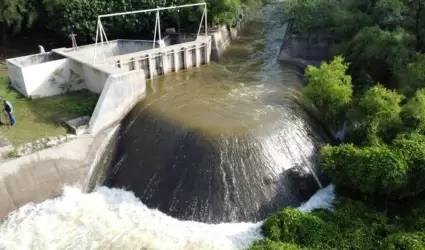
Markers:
(199, 161)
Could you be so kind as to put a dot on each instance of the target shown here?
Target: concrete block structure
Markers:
(118, 76)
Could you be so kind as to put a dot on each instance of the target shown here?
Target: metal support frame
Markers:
(100, 31)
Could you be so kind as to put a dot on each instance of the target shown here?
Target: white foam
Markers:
(116, 219)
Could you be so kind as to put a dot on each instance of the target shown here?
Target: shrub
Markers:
(413, 112)
(329, 89)
(374, 171)
(267, 244)
(405, 241)
(351, 226)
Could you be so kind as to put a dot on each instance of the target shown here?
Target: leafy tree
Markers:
(388, 14)
(411, 149)
(412, 77)
(374, 171)
(379, 52)
(405, 241)
(311, 16)
(415, 21)
(267, 244)
(351, 226)
(413, 113)
(378, 114)
(14, 14)
(329, 89)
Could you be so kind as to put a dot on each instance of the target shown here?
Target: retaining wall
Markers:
(304, 50)
(221, 37)
(42, 175)
(120, 94)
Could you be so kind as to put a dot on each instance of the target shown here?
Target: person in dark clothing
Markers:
(9, 110)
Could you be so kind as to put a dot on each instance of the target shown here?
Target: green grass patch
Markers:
(38, 118)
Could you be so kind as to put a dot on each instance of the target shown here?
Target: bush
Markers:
(329, 89)
(375, 171)
(378, 112)
(411, 148)
(351, 226)
(405, 241)
(267, 244)
(413, 112)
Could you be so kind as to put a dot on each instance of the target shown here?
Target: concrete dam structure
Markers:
(217, 144)
(198, 162)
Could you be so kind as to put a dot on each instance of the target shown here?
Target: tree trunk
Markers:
(419, 37)
(3, 31)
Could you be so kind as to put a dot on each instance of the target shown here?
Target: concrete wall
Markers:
(222, 36)
(45, 79)
(16, 77)
(120, 94)
(94, 79)
(42, 175)
(52, 78)
(303, 50)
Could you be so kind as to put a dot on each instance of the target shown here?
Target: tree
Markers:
(378, 114)
(379, 52)
(374, 171)
(311, 16)
(413, 112)
(388, 14)
(405, 241)
(411, 149)
(329, 89)
(415, 21)
(14, 14)
(412, 77)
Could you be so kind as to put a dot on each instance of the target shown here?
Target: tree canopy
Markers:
(329, 89)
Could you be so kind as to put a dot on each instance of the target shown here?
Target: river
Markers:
(231, 130)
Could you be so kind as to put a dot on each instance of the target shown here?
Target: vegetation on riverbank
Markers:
(40, 118)
(80, 16)
(375, 85)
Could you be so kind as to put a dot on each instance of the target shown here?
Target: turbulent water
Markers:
(226, 142)
(115, 219)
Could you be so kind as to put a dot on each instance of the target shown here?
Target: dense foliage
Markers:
(79, 16)
(351, 226)
(329, 89)
(374, 88)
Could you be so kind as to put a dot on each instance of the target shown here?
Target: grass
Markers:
(38, 118)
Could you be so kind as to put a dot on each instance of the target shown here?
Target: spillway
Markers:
(223, 143)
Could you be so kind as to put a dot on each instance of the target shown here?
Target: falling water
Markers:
(109, 219)
(223, 143)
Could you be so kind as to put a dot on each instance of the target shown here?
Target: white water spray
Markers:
(116, 219)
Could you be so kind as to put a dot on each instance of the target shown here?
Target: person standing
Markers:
(9, 110)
